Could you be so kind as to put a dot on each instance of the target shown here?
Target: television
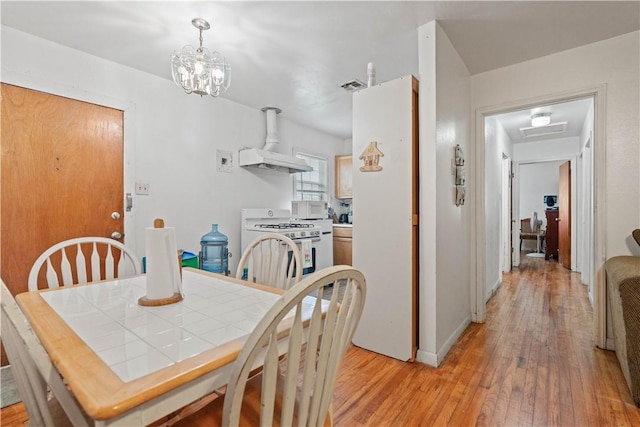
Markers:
(550, 201)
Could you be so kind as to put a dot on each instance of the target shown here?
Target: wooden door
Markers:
(564, 215)
(62, 176)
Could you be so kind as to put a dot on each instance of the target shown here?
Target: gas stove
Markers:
(293, 230)
(317, 233)
(255, 221)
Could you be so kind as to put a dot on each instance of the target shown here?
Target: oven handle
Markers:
(313, 240)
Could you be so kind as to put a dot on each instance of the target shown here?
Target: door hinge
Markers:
(414, 219)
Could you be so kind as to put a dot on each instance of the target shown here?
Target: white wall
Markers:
(614, 62)
(552, 149)
(445, 236)
(497, 142)
(171, 140)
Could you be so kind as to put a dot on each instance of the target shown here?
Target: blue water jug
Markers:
(214, 254)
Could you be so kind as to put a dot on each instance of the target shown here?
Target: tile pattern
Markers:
(134, 340)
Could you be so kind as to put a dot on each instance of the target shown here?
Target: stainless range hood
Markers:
(267, 157)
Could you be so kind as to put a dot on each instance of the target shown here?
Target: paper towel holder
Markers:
(147, 302)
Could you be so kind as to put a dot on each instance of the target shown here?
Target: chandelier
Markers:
(198, 70)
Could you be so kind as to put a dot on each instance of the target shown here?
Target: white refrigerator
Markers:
(385, 220)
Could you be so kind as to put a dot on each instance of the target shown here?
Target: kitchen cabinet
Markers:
(344, 177)
(385, 194)
(342, 244)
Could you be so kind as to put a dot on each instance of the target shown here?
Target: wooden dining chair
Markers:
(92, 259)
(271, 259)
(300, 392)
(45, 396)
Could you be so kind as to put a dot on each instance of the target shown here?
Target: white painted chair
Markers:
(301, 392)
(272, 259)
(45, 396)
(108, 258)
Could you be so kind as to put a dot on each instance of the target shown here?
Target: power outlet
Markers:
(142, 188)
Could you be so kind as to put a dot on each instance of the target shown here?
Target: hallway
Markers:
(532, 363)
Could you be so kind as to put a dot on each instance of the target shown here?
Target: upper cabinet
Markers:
(344, 177)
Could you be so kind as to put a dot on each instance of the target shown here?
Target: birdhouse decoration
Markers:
(371, 158)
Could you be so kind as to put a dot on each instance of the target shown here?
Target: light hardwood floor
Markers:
(532, 363)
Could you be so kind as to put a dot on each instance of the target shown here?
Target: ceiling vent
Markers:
(353, 85)
(537, 131)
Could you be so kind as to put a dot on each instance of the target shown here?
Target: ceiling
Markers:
(571, 113)
(295, 55)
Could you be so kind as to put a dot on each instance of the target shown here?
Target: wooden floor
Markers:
(532, 363)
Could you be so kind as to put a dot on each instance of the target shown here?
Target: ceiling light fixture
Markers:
(198, 70)
(540, 119)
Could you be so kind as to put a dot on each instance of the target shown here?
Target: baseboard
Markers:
(610, 345)
(427, 357)
(492, 291)
(435, 359)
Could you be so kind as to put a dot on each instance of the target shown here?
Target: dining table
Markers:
(129, 364)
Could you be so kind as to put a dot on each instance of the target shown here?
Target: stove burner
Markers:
(285, 225)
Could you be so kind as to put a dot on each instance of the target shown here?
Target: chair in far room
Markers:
(530, 229)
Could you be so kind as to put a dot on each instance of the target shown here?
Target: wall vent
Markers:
(553, 128)
(353, 85)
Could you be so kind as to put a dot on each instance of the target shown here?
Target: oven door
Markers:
(313, 252)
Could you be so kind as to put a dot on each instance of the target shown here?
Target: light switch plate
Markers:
(224, 161)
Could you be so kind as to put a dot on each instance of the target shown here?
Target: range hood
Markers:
(268, 157)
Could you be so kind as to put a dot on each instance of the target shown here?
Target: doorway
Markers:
(485, 218)
(125, 181)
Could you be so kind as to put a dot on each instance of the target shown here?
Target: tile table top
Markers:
(135, 340)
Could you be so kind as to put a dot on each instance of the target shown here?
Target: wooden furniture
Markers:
(551, 234)
(342, 245)
(41, 388)
(132, 365)
(344, 177)
(273, 260)
(526, 233)
(300, 394)
(116, 258)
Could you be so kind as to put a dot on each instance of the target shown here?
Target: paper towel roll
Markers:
(163, 271)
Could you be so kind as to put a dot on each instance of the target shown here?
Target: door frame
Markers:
(506, 215)
(478, 285)
(128, 155)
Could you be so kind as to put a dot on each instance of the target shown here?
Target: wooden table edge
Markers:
(111, 397)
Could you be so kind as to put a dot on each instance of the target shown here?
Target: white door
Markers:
(384, 226)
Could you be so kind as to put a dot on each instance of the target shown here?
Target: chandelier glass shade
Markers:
(199, 71)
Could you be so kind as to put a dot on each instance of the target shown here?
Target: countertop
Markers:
(343, 225)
